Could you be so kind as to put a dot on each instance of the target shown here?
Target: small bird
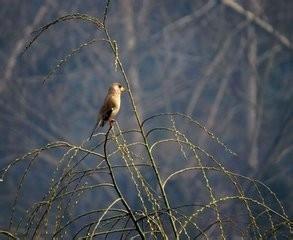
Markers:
(110, 107)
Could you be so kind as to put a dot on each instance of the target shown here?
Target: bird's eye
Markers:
(120, 86)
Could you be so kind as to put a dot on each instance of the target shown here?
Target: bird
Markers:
(110, 107)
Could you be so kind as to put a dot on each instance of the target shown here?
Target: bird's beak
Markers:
(123, 89)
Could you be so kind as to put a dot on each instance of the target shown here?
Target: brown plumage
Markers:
(110, 107)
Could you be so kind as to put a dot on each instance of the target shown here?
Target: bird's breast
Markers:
(115, 105)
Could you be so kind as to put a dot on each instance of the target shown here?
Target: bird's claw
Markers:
(112, 121)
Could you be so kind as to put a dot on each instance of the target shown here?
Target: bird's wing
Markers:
(103, 117)
(107, 108)
(107, 114)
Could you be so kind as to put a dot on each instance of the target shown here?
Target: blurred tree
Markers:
(228, 63)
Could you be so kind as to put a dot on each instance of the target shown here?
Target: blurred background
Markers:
(228, 64)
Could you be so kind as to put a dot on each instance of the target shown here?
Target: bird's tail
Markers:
(100, 123)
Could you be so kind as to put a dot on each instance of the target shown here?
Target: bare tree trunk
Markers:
(19, 45)
(130, 44)
(253, 114)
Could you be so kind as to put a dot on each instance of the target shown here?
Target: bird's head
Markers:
(117, 88)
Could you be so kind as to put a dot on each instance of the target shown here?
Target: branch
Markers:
(259, 22)
(8, 234)
(11, 62)
(117, 188)
(75, 16)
